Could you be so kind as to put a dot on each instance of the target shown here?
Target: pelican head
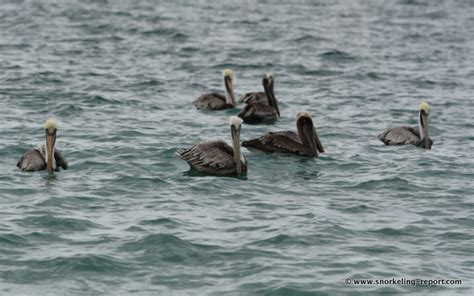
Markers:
(235, 125)
(425, 107)
(269, 77)
(229, 87)
(307, 133)
(268, 81)
(50, 127)
(423, 124)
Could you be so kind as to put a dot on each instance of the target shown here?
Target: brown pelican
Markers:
(410, 135)
(259, 111)
(217, 157)
(43, 157)
(215, 101)
(306, 142)
(254, 97)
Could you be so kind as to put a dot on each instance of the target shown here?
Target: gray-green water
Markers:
(129, 217)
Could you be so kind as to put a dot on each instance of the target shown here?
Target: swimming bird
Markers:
(217, 157)
(410, 135)
(258, 112)
(215, 101)
(306, 142)
(46, 156)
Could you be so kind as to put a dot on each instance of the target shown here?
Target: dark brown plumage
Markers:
(258, 112)
(305, 143)
(403, 135)
(212, 101)
(34, 160)
(215, 101)
(215, 158)
(254, 97)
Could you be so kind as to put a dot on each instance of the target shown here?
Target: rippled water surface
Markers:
(128, 216)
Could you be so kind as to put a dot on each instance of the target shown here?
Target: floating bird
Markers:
(217, 157)
(258, 112)
(215, 101)
(410, 135)
(43, 157)
(254, 97)
(306, 142)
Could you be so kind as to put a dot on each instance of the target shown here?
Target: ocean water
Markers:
(128, 217)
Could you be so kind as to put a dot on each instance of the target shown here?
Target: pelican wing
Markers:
(257, 112)
(254, 97)
(31, 161)
(400, 136)
(212, 101)
(209, 156)
(285, 142)
(60, 159)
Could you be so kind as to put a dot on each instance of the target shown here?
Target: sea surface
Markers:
(128, 217)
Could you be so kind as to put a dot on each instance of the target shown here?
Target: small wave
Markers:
(412, 2)
(456, 235)
(68, 109)
(246, 228)
(377, 249)
(359, 209)
(411, 230)
(308, 39)
(168, 248)
(175, 34)
(145, 83)
(374, 76)
(12, 239)
(283, 291)
(57, 223)
(96, 100)
(321, 72)
(283, 240)
(82, 263)
(390, 182)
(20, 46)
(336, 55)
(169, 223)
(189, 49)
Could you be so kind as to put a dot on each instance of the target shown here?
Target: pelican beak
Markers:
(269, 91)
(319, 146)
(426, 138)
(307, 133)
(50, 142)
(229, 88)
(310, 135)
(235, 131)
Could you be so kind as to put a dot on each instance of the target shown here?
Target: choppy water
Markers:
(129, 217)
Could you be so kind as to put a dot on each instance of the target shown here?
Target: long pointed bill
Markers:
(268, 86)
(50, 142)
(426, 138)
(236, 143)
(318, 142)
(229, 91)
(308, 135)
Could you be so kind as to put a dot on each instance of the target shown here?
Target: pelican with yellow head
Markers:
(217, 157)
(216, 101)
(404, 135)
(46, 156)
